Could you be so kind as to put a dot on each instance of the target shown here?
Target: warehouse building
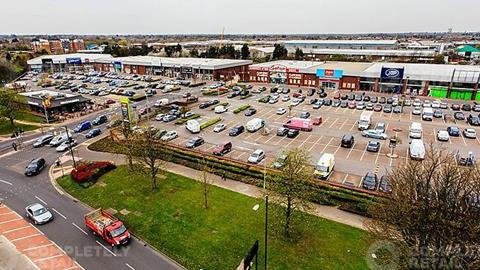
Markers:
(443, 81)
(341, 44)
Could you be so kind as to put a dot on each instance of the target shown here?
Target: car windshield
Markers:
(119, 231)
(254, 155)
(39, 211)
(322, 168)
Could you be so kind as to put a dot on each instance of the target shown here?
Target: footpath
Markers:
(323, 211)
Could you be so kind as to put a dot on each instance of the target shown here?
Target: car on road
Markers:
(35, 166)
(281, 111)
(304, 115)
(250, 112)
(373, 146)
(219, 128)
(384, 185)
(237, 130)
(369, 181)
(281, 131)
(100, 120)
(170, 135)
(82, 127)
(188, 114)
(45, 139)
(220, 109)
(257, 156)
(292, 133)
(375, 134)
(469, 133)
(223, 149)
(459, 116)
(442, 135)
(453, 131)
(93, 133)
(194, 142)
(66, 145)
(38, 213)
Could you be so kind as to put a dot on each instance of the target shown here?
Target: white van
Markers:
(193, 126)
(417, 149)
(365, 120)
(325, 166)
(220, 109)
(59, 139)
(255, 124)
(161, 102)
(427, 114)
(415, 130)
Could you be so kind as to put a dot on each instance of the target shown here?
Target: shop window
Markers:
(353, 85)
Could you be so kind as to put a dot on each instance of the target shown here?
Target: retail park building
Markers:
(451, 81)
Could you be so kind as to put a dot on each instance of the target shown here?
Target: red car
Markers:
(110, 101)
(352, 105)
(336, 95)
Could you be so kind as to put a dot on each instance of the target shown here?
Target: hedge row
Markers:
(184, 120)
(247, 96)
(321, 192)
(137, 97)
(196, 84)
(215, 92)
(241, 108)
(210, 123)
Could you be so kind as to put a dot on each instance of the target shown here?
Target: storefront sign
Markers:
(69, 101)
(74, 61)
(47, 61)
(126, 109)
(186, 69)
(277, 68)
(330, 73)
(262, 74)
(392, 73)
(118, 65)
(295, 76)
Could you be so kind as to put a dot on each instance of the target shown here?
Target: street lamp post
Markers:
(255, 208)
(70, 147)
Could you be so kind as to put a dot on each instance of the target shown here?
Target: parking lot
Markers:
(350, 163)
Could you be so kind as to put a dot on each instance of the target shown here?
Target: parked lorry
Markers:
(107, 226)
(299, 124)
(365, 120)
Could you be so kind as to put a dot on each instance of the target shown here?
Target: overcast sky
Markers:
(241, 16)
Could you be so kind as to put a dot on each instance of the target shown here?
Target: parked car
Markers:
(373, 146)
(442, 135)
(466, 107)
(38, 213)
(381, 127)
(369, 181)
(469, 133)
(170, 135)
(257, 156)
(453, 131)
(459, 116)
(223, 149)
(219, 128)
(237, 130)
(279, 162)
(473, 120)
(304, 115)
(292, 133)
(455, 107)
(281, 131)
(93, 133)
(438, 113)
(100, 120)
(281, 111)
(44, 140)
(194, 142)
(250, 111)
(376, 134)
(384, 185)
(348, 141)
(377, 108)
(416, 111)
(35, 166)
(387, 108)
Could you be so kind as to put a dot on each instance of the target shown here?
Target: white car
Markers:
(427, 104)
(416, 111)
(38, 213)
(295, 102)
(219, 128)
(169, 136)
(469, 133)
(66, 145)
(281, 111)
(285, 98)
(442, 135)
(257, 156)
(436, 104)
(417, 103)
(159, 117)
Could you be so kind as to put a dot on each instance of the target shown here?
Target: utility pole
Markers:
(70, 147)
(266, 229)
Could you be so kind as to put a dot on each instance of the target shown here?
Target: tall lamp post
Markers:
(255, 208)
(70, 147)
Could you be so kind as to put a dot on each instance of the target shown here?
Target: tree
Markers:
(289, 188)
(7, 71)
(148, 153)
(178, 49)
(169, 50)
(299, 54)
(279, 52)
(431, 217)
(10, 104)
(439, 59)
(206, 183)
(193, 52)
(245, 51)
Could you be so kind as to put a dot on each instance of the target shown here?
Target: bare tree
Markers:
(289, 188)
(432, 215)
(206, 183)
(148, 152)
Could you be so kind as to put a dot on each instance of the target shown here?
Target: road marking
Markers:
(434, 136)
(129, 266)
(353, 126)
(6, 182)
(378, 154)
(364, 151)
(351, 149)
(344, 122)
(56, 211)
(41, 200)
(16, 229)
(114, 255)
(344, 178)
(270, 138)
(25, 237)
(304, 141)
(82, 230)
(333, 123)
(48, 258)
(42, 246)
(15, 219)
(323, 150)
(311, 147)
(464, 142)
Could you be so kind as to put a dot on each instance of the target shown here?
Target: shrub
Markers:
(241, 108)
(184, 120)
(87, 173)
(247, 96)
(215, 92)
(138, 97)
(197, 84)
(210, 122)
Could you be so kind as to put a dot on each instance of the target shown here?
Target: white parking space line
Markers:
(33, 248)
(343, 124)
(129, 266)
(25, 237)
(308, 138)
(48, 258)
(82, 230)
(270, 138)
(434, 135)
(333, 123)
(8, 221)
(114, 255)
(364, 151)
(323, 150)
(60, 214)
(354, 124)
(378, 154)
(16, 229)
(292, 140)
(311, 147)
(6, 182)
(464, 142)
(41, 200)
(336, 150)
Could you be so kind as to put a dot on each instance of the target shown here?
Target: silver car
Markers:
(38, 213)
(66, 145)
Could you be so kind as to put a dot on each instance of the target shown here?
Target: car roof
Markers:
(258, 151)
(35, 206)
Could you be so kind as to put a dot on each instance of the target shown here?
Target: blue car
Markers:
(83, 126)
(93, 133)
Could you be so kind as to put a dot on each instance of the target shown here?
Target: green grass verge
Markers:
(241, 108)
(247, 96)
(210, 123)
(174, 221)
(29, 117)
(184, 120)
(7, 129)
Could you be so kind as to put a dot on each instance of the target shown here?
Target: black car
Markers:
(100, 120)
(453, 131)
(369, 181)
(250, 112)
(348, 141)
(304, 115)
(459, 116)
(466, 107)
(351, 97)
(344, 104)
(384, 185)
(387, 108)
(383, 100)
(327, 102)
(35, 167)
(203, 105)
(93, 133)
(213, 102)
(455, 107)
(438, 113)
(236, 131)
(194, 142)
(344, 97)
(313, 101)
(373, 146)
(310, 92)
(43, 140)
(232, 95)
(366, 98)
(282, 131)
(292, 133)
(473, 120)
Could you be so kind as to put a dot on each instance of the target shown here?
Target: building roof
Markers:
(369, 42)
(62, 58)
(290, 65)
(468, 49)
(58, 99)
(394, 53)
(201, 63)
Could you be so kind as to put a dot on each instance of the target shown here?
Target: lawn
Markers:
(29, 117)
(174, 221)
(6, 128)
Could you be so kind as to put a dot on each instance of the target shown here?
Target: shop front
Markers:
(391, 80)
(329, 79)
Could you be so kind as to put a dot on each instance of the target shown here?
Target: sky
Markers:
(236, 17)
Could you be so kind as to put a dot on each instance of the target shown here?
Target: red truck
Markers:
(108, 227)
(299, 124)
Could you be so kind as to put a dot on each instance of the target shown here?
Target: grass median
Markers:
(241, 108)
(173, 220)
